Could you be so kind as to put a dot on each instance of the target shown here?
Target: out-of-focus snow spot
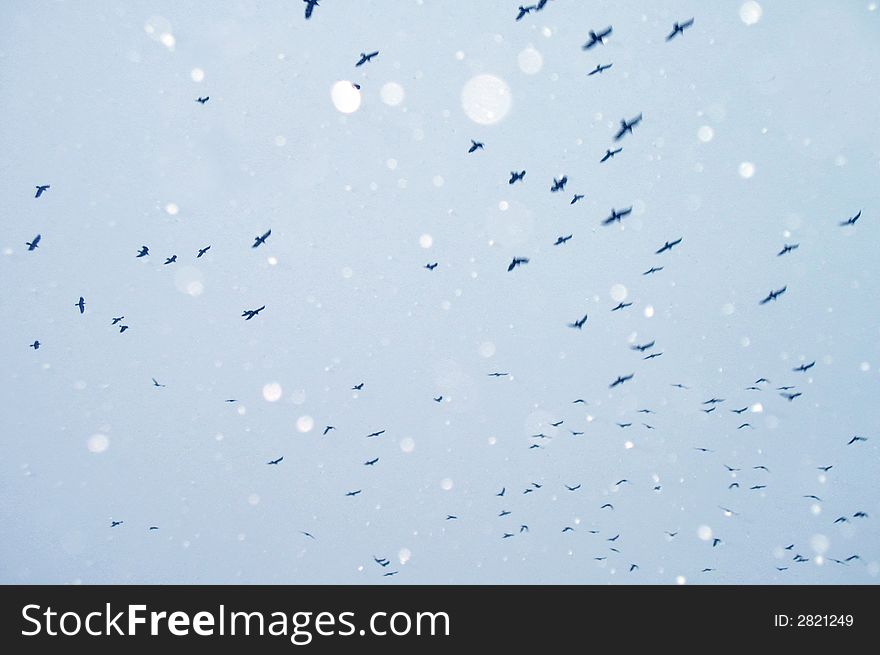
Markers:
(407, 444)
(197, 74)
(305, 423)
(172, 209)
(272, 392)
(404, 555)
(486, 99)
(426, 241)
(98, 443)
(618, 293)
(487, 349)
(746, 170)
(346, 98)
(649, 311)
(189, 280)
(705, 133)
(750, 12)
(446, 484)
(392, 94)
(530, 61)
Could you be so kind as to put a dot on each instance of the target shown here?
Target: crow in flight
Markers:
(679, 28)
(621, 305)
(431, 266)
(260, 240)
(366, 58)
(599, 69)
(310, 7)
(621, 379)
(352, 494)
(773, 295)
(804, 367)
(371, 462)
(522, 12)
(653, 269)
(203, 100)
(170, 260)
(574, 488)
(438, 399)
(476, 145)
(669, 245)
(113, 524)
(81, 304)
(597, 38)
(560, 240)
(579, 323)
(516, 177)
(40, 189)
(739, 411)
(35, 345)
(577, 196)
(376, 434)
(248, 314)
(143, 252)
(609, 154)
(358, 387)
(34, 243)
(517, 261)
(327, 429)
(627, 126)
(498, 375)
(791, 396)
(787, 248)
(202, 251)
(275, 461)
(856, 439)
(643, 347)
(559, 185)
(652, 356)
(852, 221)
(122, 328)
(617, 215)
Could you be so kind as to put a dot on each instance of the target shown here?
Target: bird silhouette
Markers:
(577, 196)
(579, 323)
(364, 58)
(517, 261)
(617, 215)
(643, 347)
(476, 145)
(653, 269)
(597, 38)
(431, 266)
(498, 375)
(600, 69)
(81, 304)
(451, 517)
(574, 488)
(560, 240)
(379, 433)
(202, 251)
(791, 396)
(41, 188)
(803, 368)
(522, 12)
(371, 462)
(156, 383)
(559, 185)
(679, 28)
(307, 534)
(203, 100)
(34, 243)
(856, 439)
(327, 429)
(653, 356)
(117, 319)
(113, 524)
(621, 305)
(275, 461)
(787, 249)
(438, 399)
(852, 220)
(352, 494)
(310, 7)
(358, 387)
(260, 240)
(170, 260)
(516, 176)
(122, 328)
(627, 126)
(621, 379)
(35, 345)
(143, 252)
(773, 295)
(669, 245)
(248, 314)
(609, 154)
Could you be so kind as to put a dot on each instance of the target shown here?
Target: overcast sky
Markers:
(759, 129)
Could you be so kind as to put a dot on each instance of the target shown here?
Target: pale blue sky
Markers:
(103, 110)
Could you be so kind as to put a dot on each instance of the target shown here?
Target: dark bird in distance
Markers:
(376, 434)
(307, 534)
(609, 154)
(652, 356)
(156, 383)
(522, 12)
(560, 240)
(366, 58)
(202, 251)
(860, 515)
(643, 347)
(516, 177)
(557, 423)
(358, 387)
(81, 304)
(708, 411)
(627, 126)
(803, 368)
(600, 69)
(431, 266)
(669, 245)
(574, 488)
(353, 493)
(597, 38)
(624, 425)
(501, 493)
(381, 561)
(856, 439)
(498, 375)
(438, 399)
(825, 468)
(143, 252)
(653, 269)
(35, 345)
(579, 323)
(517, 261)
(260, 240)
(607, 506)
(310, 7)
(852, 221)
(559, 185)
(116, 319)
(773, 295)
(791, 396)
(203, 100)
(679, 28)
(451, 517)
(170, 260)
(371, 462)
(113, 524)
(122, 328)
(740, 411)
(34, 243)
(476, 145)
(577, 196)
(617, 215)
(327, 429)
(276, 462)
(787, 248)
(40, 189)
(248, 314)
(621, 379)
(621, 305)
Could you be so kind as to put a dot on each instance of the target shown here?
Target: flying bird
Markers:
(561, 240)
(376, 434)
(559, 185)
(516, 177)
(653, 269)
(621, 305)
(40, 189)
(248, 314)
(476, 145)
(113, 524)
(170, 260)
(358, 387)
(653, 356)
(143, 252)
(852, 221)
(310, 7)
(627, 126)
(366, 58)
(579, 323)
(621, 379)
(517, 261)
(156, 383)
(609, 154)
(787, 248)
(260, 240)
(679, 28)
(643, 347)
(669, 245)
(600, 69)
(203, 100)
(275, 461)
(431, 266)
(371, 462)
(804, 367)
(616, 215)
(202, 251)
(438, 399)
(597, 38)
(773, 295)
(352, 494)
(35, 345)
(856, 439)
(577, 196)
(522, 12)
(34, 243)
(116, 320)
(574, 488)
(498, 375)
(791, 396)
(327, 429)
(81, 304)
(122, 328)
